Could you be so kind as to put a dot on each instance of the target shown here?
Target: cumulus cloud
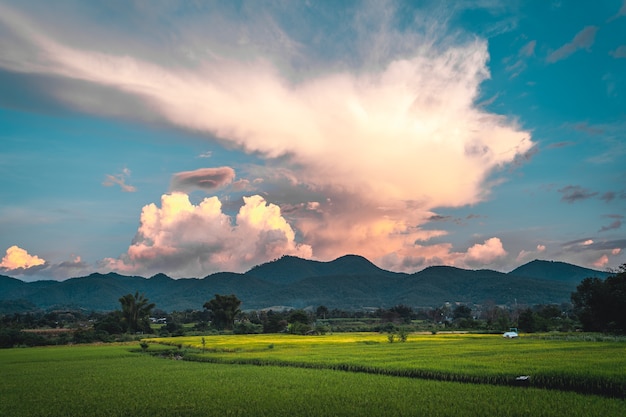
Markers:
(18, 258)
(583, 40)
(187, 240)
(378, 141)
(417, 256)
(207, 179)
(486, 252)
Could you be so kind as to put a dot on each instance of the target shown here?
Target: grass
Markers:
(118, 380)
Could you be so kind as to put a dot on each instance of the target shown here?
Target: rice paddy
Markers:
(301, 377)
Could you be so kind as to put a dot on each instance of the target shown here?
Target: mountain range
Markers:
(348, 282)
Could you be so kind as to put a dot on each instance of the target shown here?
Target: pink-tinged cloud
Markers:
(416, 257)
(119, 179)
(486, 252)
(601, 262)
(206, 179)
(18, 258)
(583, 40)
(186, 240)
(379, 146)
(525, 255)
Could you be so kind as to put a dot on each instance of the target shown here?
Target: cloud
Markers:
(619, 52)
(524, 255)
(418, 256)
(528, 49)
(186, 240)
(601, 262)
(119, 179)
(620, 13)
(379, 134)
(583, 40)
(516, 68)
(573, 193)
(562, 144)
(613, 226)
(18, 258)
(486, 252)
(207, 179)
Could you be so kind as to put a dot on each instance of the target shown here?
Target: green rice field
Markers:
(310, 376)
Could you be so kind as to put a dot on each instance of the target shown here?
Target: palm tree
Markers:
(136, 311)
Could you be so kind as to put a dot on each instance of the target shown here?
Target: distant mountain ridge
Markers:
(348, 282)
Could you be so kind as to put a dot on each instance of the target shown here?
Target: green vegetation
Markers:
(224, 309)
(119, 380)
(600, 303)
(575, 364)
(136, 311)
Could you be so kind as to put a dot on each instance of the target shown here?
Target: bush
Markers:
(247, 328)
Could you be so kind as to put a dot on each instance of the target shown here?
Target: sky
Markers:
(193, 137)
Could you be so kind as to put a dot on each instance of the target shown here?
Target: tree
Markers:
(136, 311)
(599, 304)
(462, 312)
(224, 309)
(321, 312)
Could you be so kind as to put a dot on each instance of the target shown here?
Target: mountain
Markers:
(290, 269)
(348, 282)
(556, 271)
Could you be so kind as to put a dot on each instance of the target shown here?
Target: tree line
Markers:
(597, 306)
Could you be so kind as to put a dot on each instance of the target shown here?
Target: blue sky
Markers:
(195, 137)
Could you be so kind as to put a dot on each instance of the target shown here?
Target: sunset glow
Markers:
(195, 138)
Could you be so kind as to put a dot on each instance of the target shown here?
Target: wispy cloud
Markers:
(519, 65)
(583, 40)
(613, 226)
(207, 179)
(120, 179)
(573, 193)
(619, 52)
(620, 13)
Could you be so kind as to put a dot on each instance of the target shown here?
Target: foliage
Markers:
(600, 303)
(462, 312)
(224, 309)
(247, 328)
(136, 311)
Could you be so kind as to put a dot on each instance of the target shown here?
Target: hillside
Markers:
(349, 282)
(556, 271)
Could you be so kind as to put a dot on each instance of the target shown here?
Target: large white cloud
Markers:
(382, 143)
(182, 239)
